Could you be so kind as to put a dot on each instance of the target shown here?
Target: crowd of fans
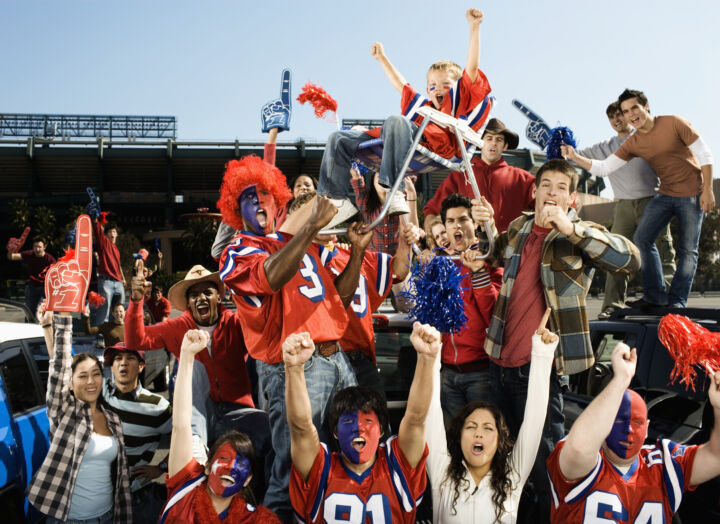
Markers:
(278, 411)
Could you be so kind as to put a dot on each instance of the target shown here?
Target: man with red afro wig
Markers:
(250, 194)
(282, 284)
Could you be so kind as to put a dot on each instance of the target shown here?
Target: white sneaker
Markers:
(346, 210)
(398, 205)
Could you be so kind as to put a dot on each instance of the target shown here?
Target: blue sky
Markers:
(213, 64)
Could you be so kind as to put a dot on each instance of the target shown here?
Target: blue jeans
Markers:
(397, 134)
(114, 293)
(106, 518)
(458, 389)
(657, 215)
(33, 296)
(324, 376)
(148, 503)
(510, 389)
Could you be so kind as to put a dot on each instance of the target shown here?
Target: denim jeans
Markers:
(114, 293)
(106, 518)
(148, 502)
(324, 376)
(33, 296)
(658, 213)
(397, 134)
(458, 389)
(509, 390)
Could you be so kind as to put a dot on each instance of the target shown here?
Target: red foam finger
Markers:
(83, 246)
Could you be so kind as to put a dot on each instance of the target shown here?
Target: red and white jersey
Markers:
(373, 286)
(387, 492)
(650, 492)
(308, 302)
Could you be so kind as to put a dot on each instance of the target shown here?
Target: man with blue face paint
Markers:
(383, 482)
(601, 472)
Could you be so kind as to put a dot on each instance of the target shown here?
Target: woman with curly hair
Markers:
(477, 473)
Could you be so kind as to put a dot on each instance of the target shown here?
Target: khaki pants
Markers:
(625, 220)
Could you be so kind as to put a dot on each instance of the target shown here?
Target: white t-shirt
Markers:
(93, 492)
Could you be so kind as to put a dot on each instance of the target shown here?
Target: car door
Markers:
(24, 396)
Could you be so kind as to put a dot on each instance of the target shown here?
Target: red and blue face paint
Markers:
(229, 471)
(628, 433)
(358, 433)
(253, 201)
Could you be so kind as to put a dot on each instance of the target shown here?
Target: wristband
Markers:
(46, 325)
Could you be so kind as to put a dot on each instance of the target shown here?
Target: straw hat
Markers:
(177, 293)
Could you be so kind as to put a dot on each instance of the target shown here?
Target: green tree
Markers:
(198, 239)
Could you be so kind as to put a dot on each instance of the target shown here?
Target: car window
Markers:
(18, 378)
(14, 313)
(39, 353)
(396, 359)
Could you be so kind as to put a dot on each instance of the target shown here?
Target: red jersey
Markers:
(373, 286)
(108, 254)
(308, 302)
(37, 266)
(466, 100)
(182, 507)
(651, 490)
(158, 309)
(389, 491)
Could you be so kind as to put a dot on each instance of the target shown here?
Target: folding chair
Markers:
(421, 160)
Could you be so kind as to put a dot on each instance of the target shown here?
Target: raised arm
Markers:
(195, 340)
(304, 442)
(407, 235)
(600, 168)
(707, 458)
(411, 435)
(283, 264)
(474, 18)
(579, 454)
(347, 282)
(396, 79)
(58, 396)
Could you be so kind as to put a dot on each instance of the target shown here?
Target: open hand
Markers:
(297, 349)
(148, 473)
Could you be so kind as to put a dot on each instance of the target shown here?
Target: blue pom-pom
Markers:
(70, 236)
(559, 136)
(437, 295)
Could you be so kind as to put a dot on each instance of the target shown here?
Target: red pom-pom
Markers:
(68, 256)
(143, 253)
(690, 345)
(321, 101)
(103, 217)
(95, 299)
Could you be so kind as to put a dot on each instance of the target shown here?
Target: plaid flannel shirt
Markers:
(71, 426)
(385, 236)
(567, 267)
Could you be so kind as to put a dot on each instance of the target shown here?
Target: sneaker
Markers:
(607, 312)
(641, 303)
(398, 205)
(346, 210)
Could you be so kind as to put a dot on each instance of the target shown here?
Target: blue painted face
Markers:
(258, 209)
(358, 433)
(628, 432)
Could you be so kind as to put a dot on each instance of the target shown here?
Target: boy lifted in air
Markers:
(461, 94)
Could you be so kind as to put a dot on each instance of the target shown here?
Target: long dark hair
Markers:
(242, 445)
(82, 357)
(500, 467)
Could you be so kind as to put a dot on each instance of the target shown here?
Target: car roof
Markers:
(17, 331)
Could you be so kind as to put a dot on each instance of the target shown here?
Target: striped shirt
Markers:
(145, 418)
(71, 425)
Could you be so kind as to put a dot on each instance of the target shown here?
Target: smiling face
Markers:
(118, 314)
(440, 236)
(358, 433)
(460, 228)
(629, 430)
(229, 472)
(619, 123)
(552, 190)
(636, 114)
(87, 381)
(258, 210)
(203, 300)
(479, 440)
(126, 367)
(303, 184)
(493, 146)
(438, 85)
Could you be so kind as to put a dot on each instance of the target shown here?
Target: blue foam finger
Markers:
(276, 113)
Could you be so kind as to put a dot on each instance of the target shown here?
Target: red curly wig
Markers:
(239, 174)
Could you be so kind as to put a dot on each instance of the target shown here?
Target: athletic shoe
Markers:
(346, 210)
(398, 205)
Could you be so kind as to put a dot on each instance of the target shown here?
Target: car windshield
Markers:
(14, 312)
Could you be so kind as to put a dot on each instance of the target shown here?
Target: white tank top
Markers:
(93, 492)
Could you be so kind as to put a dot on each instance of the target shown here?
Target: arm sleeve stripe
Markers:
(402, 490)
(673, 476)
(581, 490)
(383, 274)
(553, 492)
(180, 493)
(480, 112)
(229, 265)
(322, 486)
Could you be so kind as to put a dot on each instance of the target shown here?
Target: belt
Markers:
(468, 367)
(326, 349)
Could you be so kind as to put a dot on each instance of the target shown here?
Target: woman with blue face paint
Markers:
(220, 491)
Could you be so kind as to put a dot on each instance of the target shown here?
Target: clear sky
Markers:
(213, 64)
